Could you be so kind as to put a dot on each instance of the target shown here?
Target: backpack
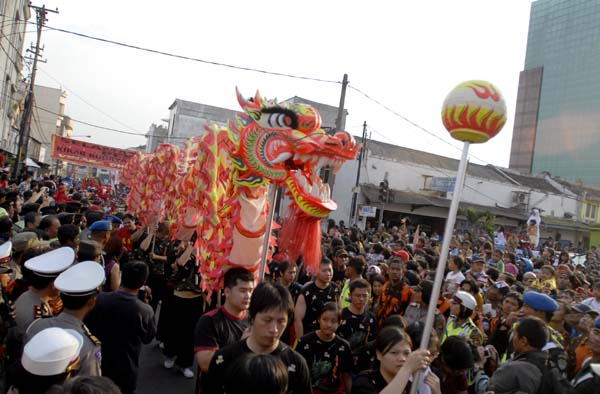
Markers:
(552, 381)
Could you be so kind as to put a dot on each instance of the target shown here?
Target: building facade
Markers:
(557, 122)
(421, 186)
(14, 15)
(48, 118)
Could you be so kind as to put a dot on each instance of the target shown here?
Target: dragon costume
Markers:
(217, 186)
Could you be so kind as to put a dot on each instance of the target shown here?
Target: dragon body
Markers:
(217, 186)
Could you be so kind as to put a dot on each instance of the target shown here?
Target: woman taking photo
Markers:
(397, 365)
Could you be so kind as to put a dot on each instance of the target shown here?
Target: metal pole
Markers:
(263, 260)
(439, 272)
(355, 193)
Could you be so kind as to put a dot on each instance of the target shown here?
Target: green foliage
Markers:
(483, 220)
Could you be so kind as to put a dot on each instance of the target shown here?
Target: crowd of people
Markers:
(85, 286)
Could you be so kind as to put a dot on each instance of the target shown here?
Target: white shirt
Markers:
(454, 280)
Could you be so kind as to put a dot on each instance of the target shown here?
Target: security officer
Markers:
(460, 323)
(543, 307)
(49, 358)
(33, 304)
(78, 287)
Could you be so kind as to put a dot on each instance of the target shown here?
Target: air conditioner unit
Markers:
(520, 197)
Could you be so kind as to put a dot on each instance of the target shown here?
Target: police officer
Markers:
(543, 307)
(460, 323)
(33, 304)
(78, 287)
(49, 358)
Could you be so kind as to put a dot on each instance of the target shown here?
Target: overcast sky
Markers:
(406, 54)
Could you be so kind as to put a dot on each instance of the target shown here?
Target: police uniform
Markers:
(555, 342)
(29, 306)
(81, 280)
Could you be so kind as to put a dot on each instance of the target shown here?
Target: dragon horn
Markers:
(241, 100)
(260, 100)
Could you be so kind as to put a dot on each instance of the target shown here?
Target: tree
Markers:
(482, 220)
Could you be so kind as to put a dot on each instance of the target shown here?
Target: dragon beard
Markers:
(300, 236)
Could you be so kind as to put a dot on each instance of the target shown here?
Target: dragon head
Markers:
(284, 143)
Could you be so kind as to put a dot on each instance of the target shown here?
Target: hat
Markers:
(101, 225)
(581, 308)
(51, 351)
(90, 247)
(22, 241)
(81, 279)
(477, 259)
(374, 270)
(48, 210)
(540, 301)
(52, 263)
(5, 250)
(465, 299)
(94, 208)
(341, 252)
(403, 254)
(114, 219)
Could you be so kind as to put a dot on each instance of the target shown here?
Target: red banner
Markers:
(85, 153)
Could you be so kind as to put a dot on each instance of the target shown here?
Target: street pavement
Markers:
(154, 378)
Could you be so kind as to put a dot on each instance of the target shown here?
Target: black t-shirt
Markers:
(298, 375)
(368, 382)
(357, 329)
(315, 298)
(295, 289)
(217, 329)
(365, 358)
(122, 323)
(326, 361)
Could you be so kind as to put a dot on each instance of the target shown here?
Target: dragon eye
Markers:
(278, 120)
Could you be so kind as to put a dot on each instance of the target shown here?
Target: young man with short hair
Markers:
(358, 325)
(225, 325)
(395, 294)
(270, 309)
(354, 271)
(314, 295)
(524, 372)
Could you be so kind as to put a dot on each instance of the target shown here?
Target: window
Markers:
(590, 211)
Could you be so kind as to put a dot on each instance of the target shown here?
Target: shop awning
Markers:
(30, 163)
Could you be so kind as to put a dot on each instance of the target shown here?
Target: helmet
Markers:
(465, 299)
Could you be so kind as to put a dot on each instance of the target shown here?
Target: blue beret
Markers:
(101, 225)
(597, 323)
(540, 301)
(114, 219)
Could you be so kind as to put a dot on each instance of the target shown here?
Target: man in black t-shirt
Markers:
(122, 323)
(270, 309)
(358, 325)
(313, 296)
(225, 325)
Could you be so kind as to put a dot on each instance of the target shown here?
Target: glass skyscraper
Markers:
(557, 119)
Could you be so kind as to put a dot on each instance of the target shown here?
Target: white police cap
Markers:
(81, 279)
(51, 351)
(52, 263)
(5, 250)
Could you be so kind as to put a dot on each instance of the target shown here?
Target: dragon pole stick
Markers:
(439, 272)
(265, 251)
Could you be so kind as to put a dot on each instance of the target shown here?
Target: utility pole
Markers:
(327, 171)
(355, 192)
(41, 13)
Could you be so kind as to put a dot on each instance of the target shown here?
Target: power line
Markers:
(85, 101)
(418, 126)
(214, 63)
